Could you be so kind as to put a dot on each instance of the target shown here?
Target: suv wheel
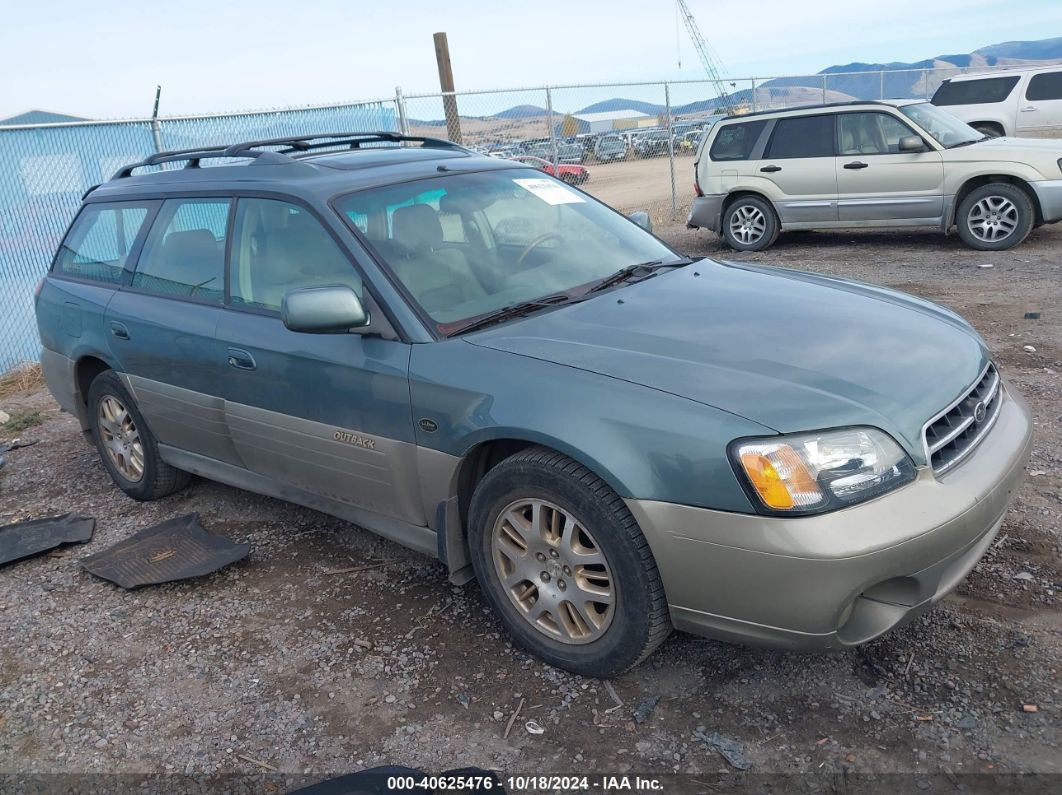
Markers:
(563, 563)
(750, 224)
(128, 450)
(995, 217)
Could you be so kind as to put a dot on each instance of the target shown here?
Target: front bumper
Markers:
(705, 212)
(842, 578)
(1049, 194)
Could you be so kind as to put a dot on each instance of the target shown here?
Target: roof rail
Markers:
(193, 156)
(350, 140)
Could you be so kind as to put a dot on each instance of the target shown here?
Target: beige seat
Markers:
(438, 276)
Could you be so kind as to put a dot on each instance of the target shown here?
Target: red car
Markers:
(573, 175)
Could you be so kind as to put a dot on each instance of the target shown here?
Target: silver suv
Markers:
(872, 164)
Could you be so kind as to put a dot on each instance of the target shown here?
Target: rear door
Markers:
(161, 326)
(326, 413)
(799, 161)
(878, 182)
(1040, 109)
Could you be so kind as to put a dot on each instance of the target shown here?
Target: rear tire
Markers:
(750, 224)
(995, 217)
(126, 446)
(564, 565)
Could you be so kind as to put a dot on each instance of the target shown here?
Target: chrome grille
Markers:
(954, 433)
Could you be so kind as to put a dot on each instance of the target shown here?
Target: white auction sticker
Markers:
(549, 191)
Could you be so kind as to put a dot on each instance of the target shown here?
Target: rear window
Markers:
(802, 136)
(736, 141)
(100, 241)
(1045, 86)
(975, 92)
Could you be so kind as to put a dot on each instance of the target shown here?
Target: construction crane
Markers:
(705, 53)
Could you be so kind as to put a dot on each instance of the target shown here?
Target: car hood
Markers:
(789, 350)
(1044, 152)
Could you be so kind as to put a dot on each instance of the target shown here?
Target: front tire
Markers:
(565, 566)
(127, 448)
(995, 217)
(750, 224)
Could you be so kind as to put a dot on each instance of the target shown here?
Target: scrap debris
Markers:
(731, 750)
(25, 539)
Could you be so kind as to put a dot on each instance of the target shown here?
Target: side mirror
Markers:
(329, 309)
(912, 143)
(641, 217)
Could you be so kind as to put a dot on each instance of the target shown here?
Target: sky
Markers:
(103, 59)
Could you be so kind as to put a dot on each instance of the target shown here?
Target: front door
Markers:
(799, 161)
(1040, 109)
(161, 326)
(326, 413)
(878, 182)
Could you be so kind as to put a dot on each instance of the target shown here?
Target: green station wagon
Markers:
(484, 364)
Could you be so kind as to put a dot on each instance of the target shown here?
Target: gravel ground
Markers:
(278, 663)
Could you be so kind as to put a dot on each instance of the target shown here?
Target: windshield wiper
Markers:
(514, 310)
(968, 143)
(641, 269)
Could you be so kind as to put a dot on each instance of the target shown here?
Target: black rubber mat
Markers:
(175, 550)
(26, 539)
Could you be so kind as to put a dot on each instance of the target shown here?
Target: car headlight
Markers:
(814, 472)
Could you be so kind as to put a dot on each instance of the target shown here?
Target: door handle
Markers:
(771, 169)
(119, 330)
(1028, 108)
(241, 359)
(856, 164)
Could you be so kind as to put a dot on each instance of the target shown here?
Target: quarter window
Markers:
(184, 254)
(975, 92)
(802, 136)
(278, 246)
(736, 141)
(100, 241)
(870, 133)
(1047, 85)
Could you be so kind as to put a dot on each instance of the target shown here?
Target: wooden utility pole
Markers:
(446, 82)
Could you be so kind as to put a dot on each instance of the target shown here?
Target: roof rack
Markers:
(292, 145)
(350, 140)
(193, 156)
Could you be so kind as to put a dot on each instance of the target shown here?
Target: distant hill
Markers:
(840, 85)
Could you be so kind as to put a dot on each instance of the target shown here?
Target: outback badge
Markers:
(355, 439)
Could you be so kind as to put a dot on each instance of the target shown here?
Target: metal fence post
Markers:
(925, 81)
(156, 128)
(400, 107)
(881, 80)
(670, 148)
(552, 130)
(753, 81)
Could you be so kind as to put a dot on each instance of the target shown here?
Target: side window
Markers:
(99, 242)
(802, 136)
(870, 133)
(736, 141)
(975, 92)
(1047, 85)
(278, 246)
(184, 254)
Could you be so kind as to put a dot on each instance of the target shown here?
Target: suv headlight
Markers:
(814, 472)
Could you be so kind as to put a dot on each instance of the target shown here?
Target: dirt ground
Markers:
(280, 665)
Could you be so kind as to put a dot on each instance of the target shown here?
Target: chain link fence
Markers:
(629, 144)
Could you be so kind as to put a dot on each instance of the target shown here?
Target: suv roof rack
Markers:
(292, 145)
(193, 156)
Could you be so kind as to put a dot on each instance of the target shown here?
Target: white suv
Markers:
(1025, 102)
(872, 164)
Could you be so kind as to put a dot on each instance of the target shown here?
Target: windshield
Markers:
(945, 128)
(465, 245)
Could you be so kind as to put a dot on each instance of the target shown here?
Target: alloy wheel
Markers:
(553, 571)
(121, 439)
(747, 224)
(993, 218)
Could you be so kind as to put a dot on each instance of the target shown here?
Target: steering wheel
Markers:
(536, 243)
